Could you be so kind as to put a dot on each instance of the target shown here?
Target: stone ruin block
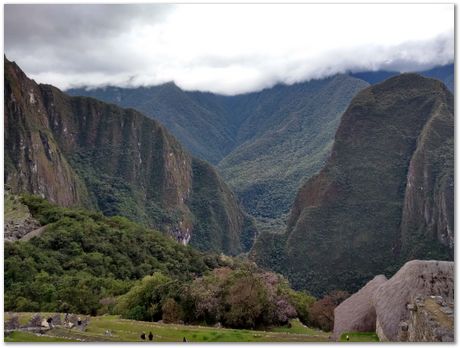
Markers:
(36, 320)
(12, 323)
(57, 319)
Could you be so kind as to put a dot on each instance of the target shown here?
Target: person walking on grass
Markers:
(150, 336)
(143, 336)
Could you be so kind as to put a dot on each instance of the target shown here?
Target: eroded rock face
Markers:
(357, 313)
(415, 278)
(431, 319)
(429, 197)
(384, 196)
(77, 151)
(18, 220)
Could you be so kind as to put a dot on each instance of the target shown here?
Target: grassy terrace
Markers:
(130, 331)
(359, 337)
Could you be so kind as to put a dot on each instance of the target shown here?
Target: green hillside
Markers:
(293, 132)
(382, 197)
(78, 151)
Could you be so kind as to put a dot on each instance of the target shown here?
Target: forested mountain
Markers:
(385, 195)
(287, 136)
(383, 192)
(266, 144)
(78, 151)
(202, 128)
(84, 262)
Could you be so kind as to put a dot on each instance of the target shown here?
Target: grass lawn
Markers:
(130, 331)
(19, 336)
(359, 337)
(298, 328)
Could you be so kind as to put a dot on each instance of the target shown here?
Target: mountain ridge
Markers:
(247, 135)
(81, 151)
(345, 224)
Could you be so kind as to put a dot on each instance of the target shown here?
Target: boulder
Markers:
(357, 312)
(415, 278)
(12, 323)
(36, 320)
(57, 319)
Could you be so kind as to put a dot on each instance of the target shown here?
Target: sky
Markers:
(222, 48)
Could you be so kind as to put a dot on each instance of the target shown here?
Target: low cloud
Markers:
(226, 49)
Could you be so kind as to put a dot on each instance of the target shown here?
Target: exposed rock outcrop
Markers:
(77, 151)
(414, 305)
(18, 220)
(431, 319)
(415, 278)
(429, 197)
(357, 313)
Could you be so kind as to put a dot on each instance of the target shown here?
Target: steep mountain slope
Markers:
(361, 214)
(80, 151)
(202, 129)
(33, 160)
(287, 137)
(267, 142)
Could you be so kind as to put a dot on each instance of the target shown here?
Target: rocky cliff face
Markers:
(265, 144)
(415, 278)
(431, 319)
(79, 151)
(384, 195)
(357, 313)
(414, 305)
(33, 160)
(429, 198)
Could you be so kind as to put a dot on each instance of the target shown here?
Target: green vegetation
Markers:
(187, 115)
(345, 225)
(14, 210)
(240, 298)
(84, 257)
(220, 225)
(123, 330)
(19, 336)
(96, 155)
(87, 263)
(359, 337)
(287, 135)
(265, 143)
(297, 327)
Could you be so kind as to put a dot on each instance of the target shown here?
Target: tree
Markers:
(172, 312)
(322, 311)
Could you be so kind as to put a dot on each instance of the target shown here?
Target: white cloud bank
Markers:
(223, 48)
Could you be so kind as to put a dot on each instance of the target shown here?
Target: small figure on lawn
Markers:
(50, 322)
(348, 338)
(184, 340)
(150, 336)
(143, 336)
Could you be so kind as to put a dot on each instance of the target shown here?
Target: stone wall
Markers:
(415, 305)
(431, 319)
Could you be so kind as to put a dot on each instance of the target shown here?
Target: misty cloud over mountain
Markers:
(226, 49)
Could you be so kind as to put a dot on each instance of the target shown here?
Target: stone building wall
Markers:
(431, 319)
